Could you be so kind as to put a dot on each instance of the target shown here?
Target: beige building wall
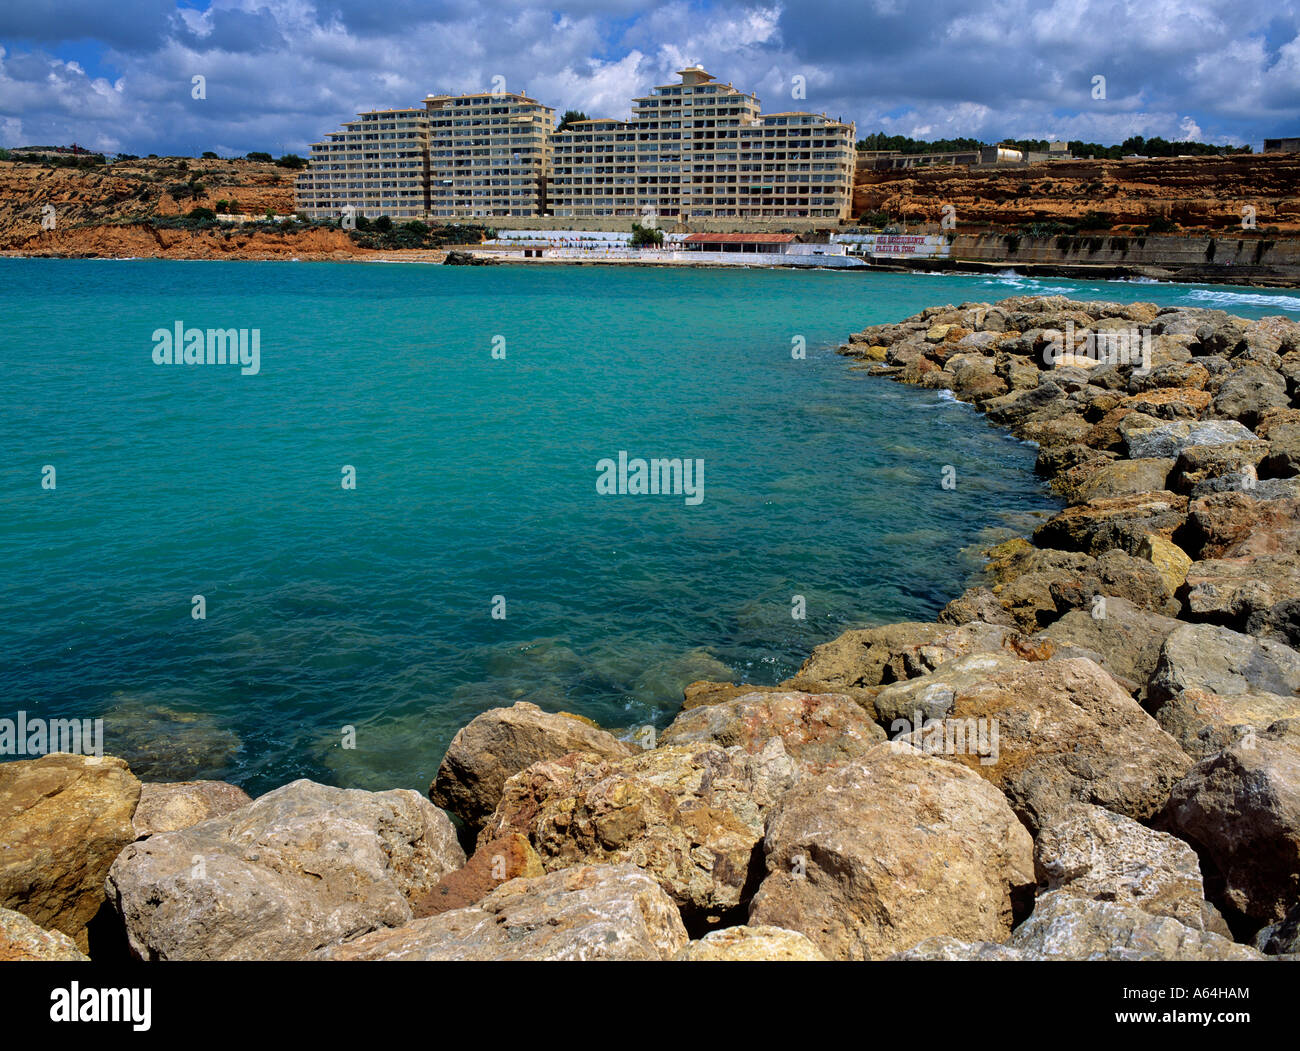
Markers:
(703, 150)
(489, 155)
(456, 157)
(377, 165)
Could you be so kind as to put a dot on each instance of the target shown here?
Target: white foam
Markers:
(1254, 299)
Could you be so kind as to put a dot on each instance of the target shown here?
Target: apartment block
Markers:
(696, 149)
(459, 156)
(700, 149)
(377, 164)
(489, 155)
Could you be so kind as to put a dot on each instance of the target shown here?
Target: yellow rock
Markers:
(936, 333)
(1170, 560)
(876, 352)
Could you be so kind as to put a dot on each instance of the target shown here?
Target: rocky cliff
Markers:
(1198, 193)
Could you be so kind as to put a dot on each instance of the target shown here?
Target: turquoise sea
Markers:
(372, 608)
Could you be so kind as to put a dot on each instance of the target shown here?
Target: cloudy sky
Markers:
(118, 74)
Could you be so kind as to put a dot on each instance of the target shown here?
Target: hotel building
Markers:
(377, 164)
(462, 156)
(697, 149)
(489, 155)
(700, 149)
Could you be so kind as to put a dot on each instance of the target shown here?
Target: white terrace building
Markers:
(459, 156)
(703, 149)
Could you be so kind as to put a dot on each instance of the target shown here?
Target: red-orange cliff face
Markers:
(1201, 193)
(102, 211)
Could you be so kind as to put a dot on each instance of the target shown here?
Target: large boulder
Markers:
(893, 652)
(902, 706)
(1121, 637)
(1283, 459)
(818, 731)
(21, 939)
(63, 819)
(1240, 808)
(1239, 591)
(1222, 661)
(1238, 462)
(759, 944)
(496, 745)
(1066, 732)
(1095, 853)
(1064, 926)
(171, 806)
(978, 603)
(1246, 393)
(690, 815)
(590, 912)
(1235, 524)
(1113, 522)
(891, 848)
(1169, 560)
(949, 950)
(1059, 581)
(299, 868)
(1168, 440)
(1204, 722)
(1122, 478)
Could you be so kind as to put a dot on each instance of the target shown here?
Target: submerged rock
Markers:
(162, 743)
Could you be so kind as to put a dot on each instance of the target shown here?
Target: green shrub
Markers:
(645, 237)
(257, 155)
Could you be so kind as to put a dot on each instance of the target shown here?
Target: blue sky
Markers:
(280, 73)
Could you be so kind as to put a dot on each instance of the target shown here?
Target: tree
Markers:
(291, 161)
(208, 155)
(645, 236)
(265, 158)
(571, 116)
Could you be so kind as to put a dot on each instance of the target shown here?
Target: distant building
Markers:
(1291, 145)
(984, 155)
(700, 149)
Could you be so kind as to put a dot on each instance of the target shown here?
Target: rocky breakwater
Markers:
(1093, 753)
